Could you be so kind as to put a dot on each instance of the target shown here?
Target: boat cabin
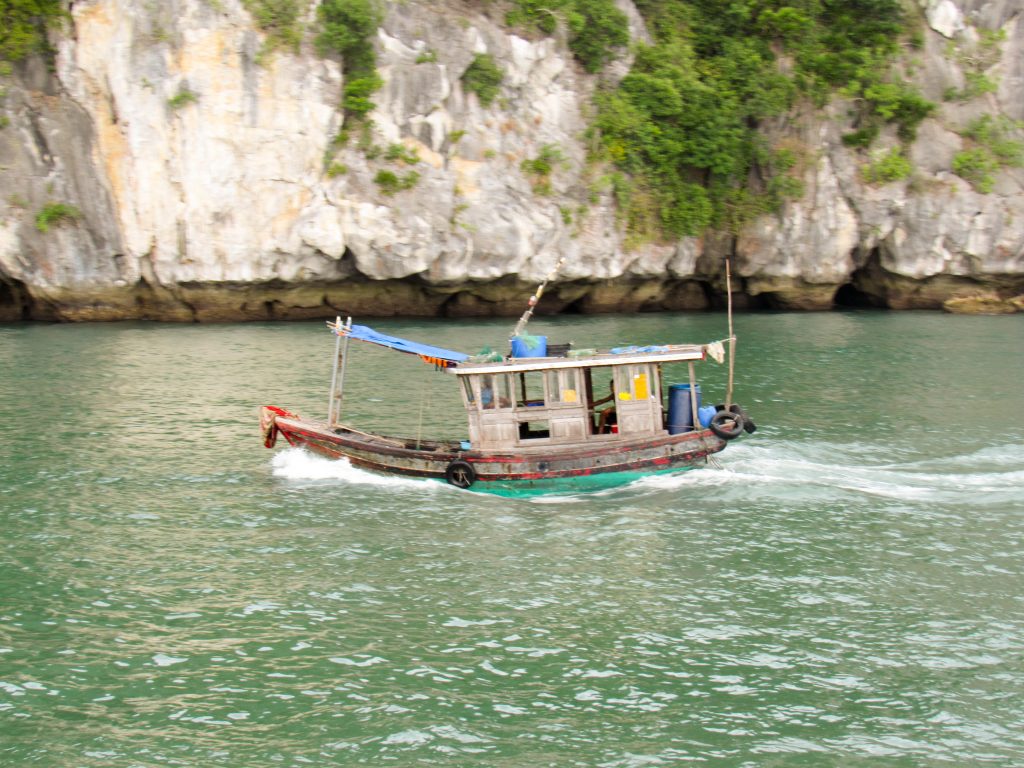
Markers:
(525, 402)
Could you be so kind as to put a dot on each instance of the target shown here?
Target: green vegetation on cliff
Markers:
(23, 26)
(56, 213)
(347, 27)
(539, 168)
(892, 166)
(684, 126)
(596, 28)
(483, 77)
(279, 19)
(990, 146)
(391, 183)
(182, 98)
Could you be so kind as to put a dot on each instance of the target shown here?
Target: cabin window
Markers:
(634, 382)
(534, 430)
(494, 391)
(641, 381)
(531, 389)
(467, 388)
(563, 387)
(623, 383)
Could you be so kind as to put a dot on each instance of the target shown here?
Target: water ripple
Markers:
(833, 593)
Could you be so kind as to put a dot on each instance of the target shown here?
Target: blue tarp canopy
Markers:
(435, 355)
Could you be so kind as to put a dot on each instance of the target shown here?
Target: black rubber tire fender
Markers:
(748, 423)
(460, 473)
(721, 419)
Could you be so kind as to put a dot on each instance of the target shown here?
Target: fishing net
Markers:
(486, 355)
(530, 342)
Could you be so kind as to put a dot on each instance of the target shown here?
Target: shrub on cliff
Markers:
(997, 135)
(391, 183)
(892, 166)
(182, 98)
(991, 146)
(539, 168)
(356, 100)
(279, 19)
(597, 28)
(23, 26)
(347, 27)
(483, 77)
(56, 213)
(977, 166)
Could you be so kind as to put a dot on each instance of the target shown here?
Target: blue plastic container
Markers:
(705, 413)
(520, 349)
(680, 413)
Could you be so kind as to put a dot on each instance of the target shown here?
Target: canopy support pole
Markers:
(732, 337)
(338, 380)
(693, 398)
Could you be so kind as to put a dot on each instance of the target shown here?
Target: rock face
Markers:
(203, 183)
(984, 304)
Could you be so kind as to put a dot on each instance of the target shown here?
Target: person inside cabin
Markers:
(487, 391)
(487, 394)
(607, 417)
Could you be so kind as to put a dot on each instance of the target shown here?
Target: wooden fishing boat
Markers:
(535, 421)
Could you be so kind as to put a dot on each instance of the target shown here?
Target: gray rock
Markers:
(208, 186)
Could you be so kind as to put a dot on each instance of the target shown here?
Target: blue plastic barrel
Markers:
(680, 414)
(521, 349)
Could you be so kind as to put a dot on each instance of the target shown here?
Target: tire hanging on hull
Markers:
(726, 424)
(460, 474)
(748, 423)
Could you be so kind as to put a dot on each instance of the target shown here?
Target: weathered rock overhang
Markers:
(212, 302)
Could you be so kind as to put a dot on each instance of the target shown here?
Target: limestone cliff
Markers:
(199, 180)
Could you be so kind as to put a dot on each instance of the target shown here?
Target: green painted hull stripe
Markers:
(597, 482)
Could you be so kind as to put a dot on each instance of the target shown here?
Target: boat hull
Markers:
(599, 464)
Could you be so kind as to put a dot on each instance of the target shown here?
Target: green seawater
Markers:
(846, 588)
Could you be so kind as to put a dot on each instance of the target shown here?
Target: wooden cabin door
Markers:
(637, 399)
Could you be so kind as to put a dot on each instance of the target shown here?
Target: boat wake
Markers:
(299, 464)
(991, 476)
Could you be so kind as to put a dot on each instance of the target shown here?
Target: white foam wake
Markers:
(299, 464)
(987, 476)
(991, 475)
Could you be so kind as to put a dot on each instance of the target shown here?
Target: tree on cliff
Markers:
(23, 26)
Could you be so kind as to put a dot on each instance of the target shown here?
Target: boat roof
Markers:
(462, 364)
(672, 353)
(437, 356)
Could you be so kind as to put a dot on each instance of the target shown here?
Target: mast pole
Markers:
(334, 371)
(732, 336)
(693, 400)
(521, 325)
(338, 381)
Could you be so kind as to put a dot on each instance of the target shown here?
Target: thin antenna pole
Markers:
(521, 325)
(732, 336)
